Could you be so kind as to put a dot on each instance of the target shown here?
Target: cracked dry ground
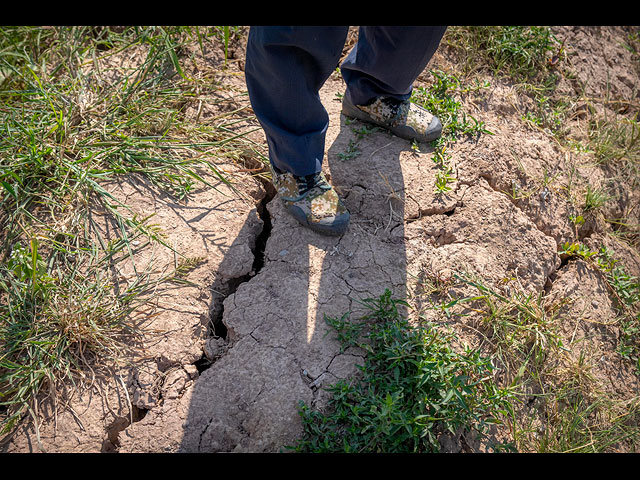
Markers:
(267, 283)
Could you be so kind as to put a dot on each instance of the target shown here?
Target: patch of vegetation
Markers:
(573, 414)
(558, 406)
(61, 320)
(530, 55)
(68, 123)
(536, 61)
(413, 388)
(616, 142)
(521, 326)
(616, 147)
(440, 99)
(360, 131)
(521, 52)
(624, 288)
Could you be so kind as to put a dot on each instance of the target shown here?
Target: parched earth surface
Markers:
(266, 283)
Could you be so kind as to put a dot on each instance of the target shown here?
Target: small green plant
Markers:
(577, 220)
(360, 131)
(413, 388)
(616, 141)
(577, 249)
(548, 114)
(348, 332)
(594, 199)
(443, 180)
(440, 100)
(223, 34)
(444, 173)
(351, 152)
(624, 288)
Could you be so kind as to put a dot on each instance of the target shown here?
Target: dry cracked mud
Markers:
(266, 283)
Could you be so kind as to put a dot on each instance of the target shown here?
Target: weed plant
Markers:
(574, 415)
(440, 99)
(594, 199)
(412, 388)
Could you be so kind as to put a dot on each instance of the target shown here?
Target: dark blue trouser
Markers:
(286, 67)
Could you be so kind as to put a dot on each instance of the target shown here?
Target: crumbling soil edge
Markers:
(217, 327)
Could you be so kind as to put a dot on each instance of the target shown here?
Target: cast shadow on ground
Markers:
(279, 348)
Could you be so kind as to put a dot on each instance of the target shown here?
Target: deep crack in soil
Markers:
(217, 327)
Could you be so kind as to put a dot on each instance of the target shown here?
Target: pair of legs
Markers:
(286, 67)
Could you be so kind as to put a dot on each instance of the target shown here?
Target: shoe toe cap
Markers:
(434, 130)
(332, 225)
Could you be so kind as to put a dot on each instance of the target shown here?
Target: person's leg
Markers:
(380, 71)
(387, 60)
(285, 69)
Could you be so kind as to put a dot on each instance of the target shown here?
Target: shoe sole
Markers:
(405, 132)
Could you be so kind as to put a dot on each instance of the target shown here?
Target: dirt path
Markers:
(270, 350)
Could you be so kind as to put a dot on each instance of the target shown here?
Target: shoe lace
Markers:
(311, 182)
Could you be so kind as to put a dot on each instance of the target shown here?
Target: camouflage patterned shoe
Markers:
(312, 201)
(402, 118)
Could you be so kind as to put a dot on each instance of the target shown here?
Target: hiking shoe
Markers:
(402, 118)
(312, 201)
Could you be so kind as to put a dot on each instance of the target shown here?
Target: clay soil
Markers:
(226, 359)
